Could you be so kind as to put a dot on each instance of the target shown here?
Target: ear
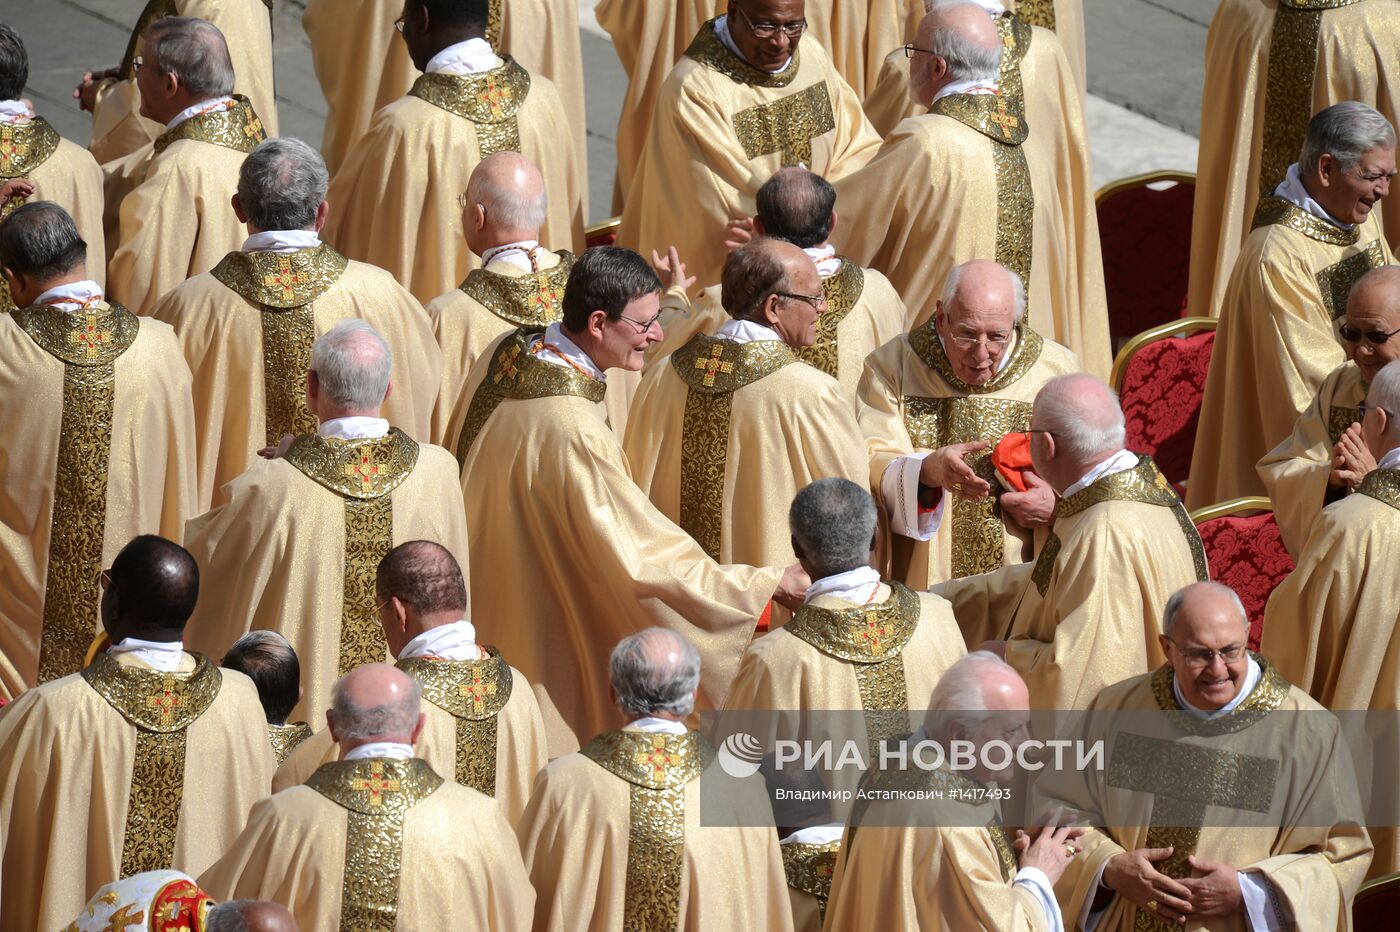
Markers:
(770, 309)
(418, 728)
(758, 228)
(238, 210)
(313, 384)
(400, 615)
(330, 725)
(478, 214)
(1162, 642)
(321, 213)
(597, 321)
(1327, 168)
(388, 390)
(796, 548)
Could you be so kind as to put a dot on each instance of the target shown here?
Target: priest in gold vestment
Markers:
(247, 325)
(378, 839)
(1228, 816)
(295, 547)
(482, 724)
(575, 553)
(98, 434)
(724, 433)
(743, 102)
(613, 837)
(1325, 458)
(932, 405)
(1270, 65)
(270, 661)
(1085, 613)
(974, 177)
(395, 201)
(148, 759)
(1277, 339)
(177, 221)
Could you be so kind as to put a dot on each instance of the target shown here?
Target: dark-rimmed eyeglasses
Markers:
(642, 325)
(104, 578)
(1203, 656)
(818, 301)
(909, 51)
(1374, 337)
(793, 30)
(398, 24)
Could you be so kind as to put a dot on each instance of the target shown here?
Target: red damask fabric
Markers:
(1247, 554)
(1161, 396)
(1146, 241)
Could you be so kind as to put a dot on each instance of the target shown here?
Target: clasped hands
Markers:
(947, 468)
(1133, 875)
(1351, 460)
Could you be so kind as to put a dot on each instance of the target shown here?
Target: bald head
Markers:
(962, 45)
(1078, 424)
(375, 702)
(506, 202)
(1373, 307)
(979, 698)
(250, 916)
(1204, 632)
(796, 206)
(756, 271)
(419, 586)
(655, 672)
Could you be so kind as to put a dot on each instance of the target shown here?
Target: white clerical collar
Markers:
(73, 296)
(722, 30)
(1122, 461)
(516, 254)
(353, 428)
(15, 111)
(824, 258)
(281, 241)
(657, 726)
(964, 87)
(455, 641)
(815, 835)
(1391, 460)
(555, 348)
(1006, 354)
(1291, 189)
(1251, 679)
(389, 749)
(470, 57)
(994, 7)
(204, 106)
(858, 585)
(746, 331)
(165, 656)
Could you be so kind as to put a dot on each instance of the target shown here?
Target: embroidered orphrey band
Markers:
(1037, 13)
(786, 126)
(842, 291)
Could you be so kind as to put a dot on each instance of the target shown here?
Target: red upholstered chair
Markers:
(1160, 377)
(1145, 235)
(1245, 552)
(602, 234)
(1376, 905)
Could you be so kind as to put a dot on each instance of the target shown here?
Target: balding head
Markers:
(1200, 618)
(1373, 307)
(976, 317)
(250, 916)
(979, 698)
(40, 247)
(655, 672)
(282, 186)
(1076, 424)
(419, 586)
(375, 702)
(758, 281)
(269, 660)
(349, 375)
(796, 206)
(185, 62)
(153, 587)
(506, 202)
(961, 43)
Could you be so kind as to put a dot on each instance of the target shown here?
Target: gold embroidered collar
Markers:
(376, 786)
(651, 760)
(535, 299)
(92, 336)
(488, 97)
(714, 366)
(1016, 36)
(1383, 485)
(863, 634)
(237, 128)
(926, 345)
(1267, 696)
(1277, 211)
(153, 700)
(518, 373)
(707, 49)
(472, 689)
(993, 115)
(281, 279)
(1143, 483)
(809, 867)
(25, 146)
(286, 738)
(842, 291)
(362, 469)
(1307, 5)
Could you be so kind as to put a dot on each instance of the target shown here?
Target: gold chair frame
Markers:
(1141, 181)
(1234, 506)
(1161, 332)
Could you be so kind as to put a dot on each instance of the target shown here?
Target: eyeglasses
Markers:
(104, 578)
(793, 30)
(1374, 337)
(1033, 430)
(136, 64)
(462, 202)
(995, 342)
(398, 24)
(818, 301)
(642, 325)
(1201, 657)
(909, 51)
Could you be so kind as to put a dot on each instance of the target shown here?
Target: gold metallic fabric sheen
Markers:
(786, 126)
(842, 291)
(491, 100)
(809, 868)
(24, 147)
(237, 128)
(473, 692)
(287, 738)
(535, 299)
(707, 49)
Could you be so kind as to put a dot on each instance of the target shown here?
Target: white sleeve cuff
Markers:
(1088, 916)
(899, 488)
(1034, 880)
(1264, 911)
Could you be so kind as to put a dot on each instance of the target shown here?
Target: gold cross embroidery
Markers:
(494, 96)
(10, 150)
(548, 296)
(90, 338)
(874, 632)
(657, 758)
(505, 364)
(285, 277)
(376, 784)
(365, 470)
(1004, 120)
(122, 918)
(713, 366)
(253, 129)
(166, 700)
(477, 691)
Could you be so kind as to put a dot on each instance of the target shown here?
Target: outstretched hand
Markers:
(671, 269)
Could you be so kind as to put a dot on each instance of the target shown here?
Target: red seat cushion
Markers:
(1246, 553)
(1146, 241)
(607, 237)
(1161, 395)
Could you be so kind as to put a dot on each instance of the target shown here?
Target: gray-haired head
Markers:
(41, 241)
(953, 284)
(1083, 414)
(1346, 131)
(511, 190)
(352, 365)
(375, 702)
(655, 671)
(959, 701)
(1384, 394)
(956, 33)
(194, 51)
(282, 184)
(269, 660)
(833, 523)
(250, 916)
(1216, 590)
(14, 64)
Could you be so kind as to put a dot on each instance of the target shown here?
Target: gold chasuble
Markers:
(178, 222)
(809, 868)
(613, 840)
(98, 431)
(379, 844)
(598, 561)
(118, 129)
(976, 181)
(721, 129)
(339, 505)
(247, 328)
(287, 738)
(1276, 342)
(1087, 612)
(912, 401)
(122, 769)
(1177, 786)
(484, 728)
(1065, 18)
(1295, 472)
(725, 436)
(1271, 65)
(409, 222)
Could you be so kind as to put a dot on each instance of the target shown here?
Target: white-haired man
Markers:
(1084, 614)
(972, 178)
(378, 839)
(932, 404)
(247, 325)
(1313, 237)
(339, 498)
(613, 837)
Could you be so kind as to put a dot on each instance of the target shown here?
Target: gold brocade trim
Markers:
(153, 700)
(809, 868)
(473, 692)
(1015, 211)
(237, 128)
(494, 21)
(1267, 696)
(281, 279)
(720, 367)
(376, 793)
(707, 49)
(842, 291)
(1339, 418)
(1335, 281)
(286, 738)
(514, 372)
(787, 125)
(1276, 210)
(357, 469)
(535, 299)
(154, 10)
(993, 115)
(1001, 844)
(369, 535)
(923, 340)
(651, 760)
(1015, 36)
(1044, 567)
(490, 100)
(24, 147)
(1037, 13)
(862, 635)
(92, 337)
(1383, 485)
(287, 337)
